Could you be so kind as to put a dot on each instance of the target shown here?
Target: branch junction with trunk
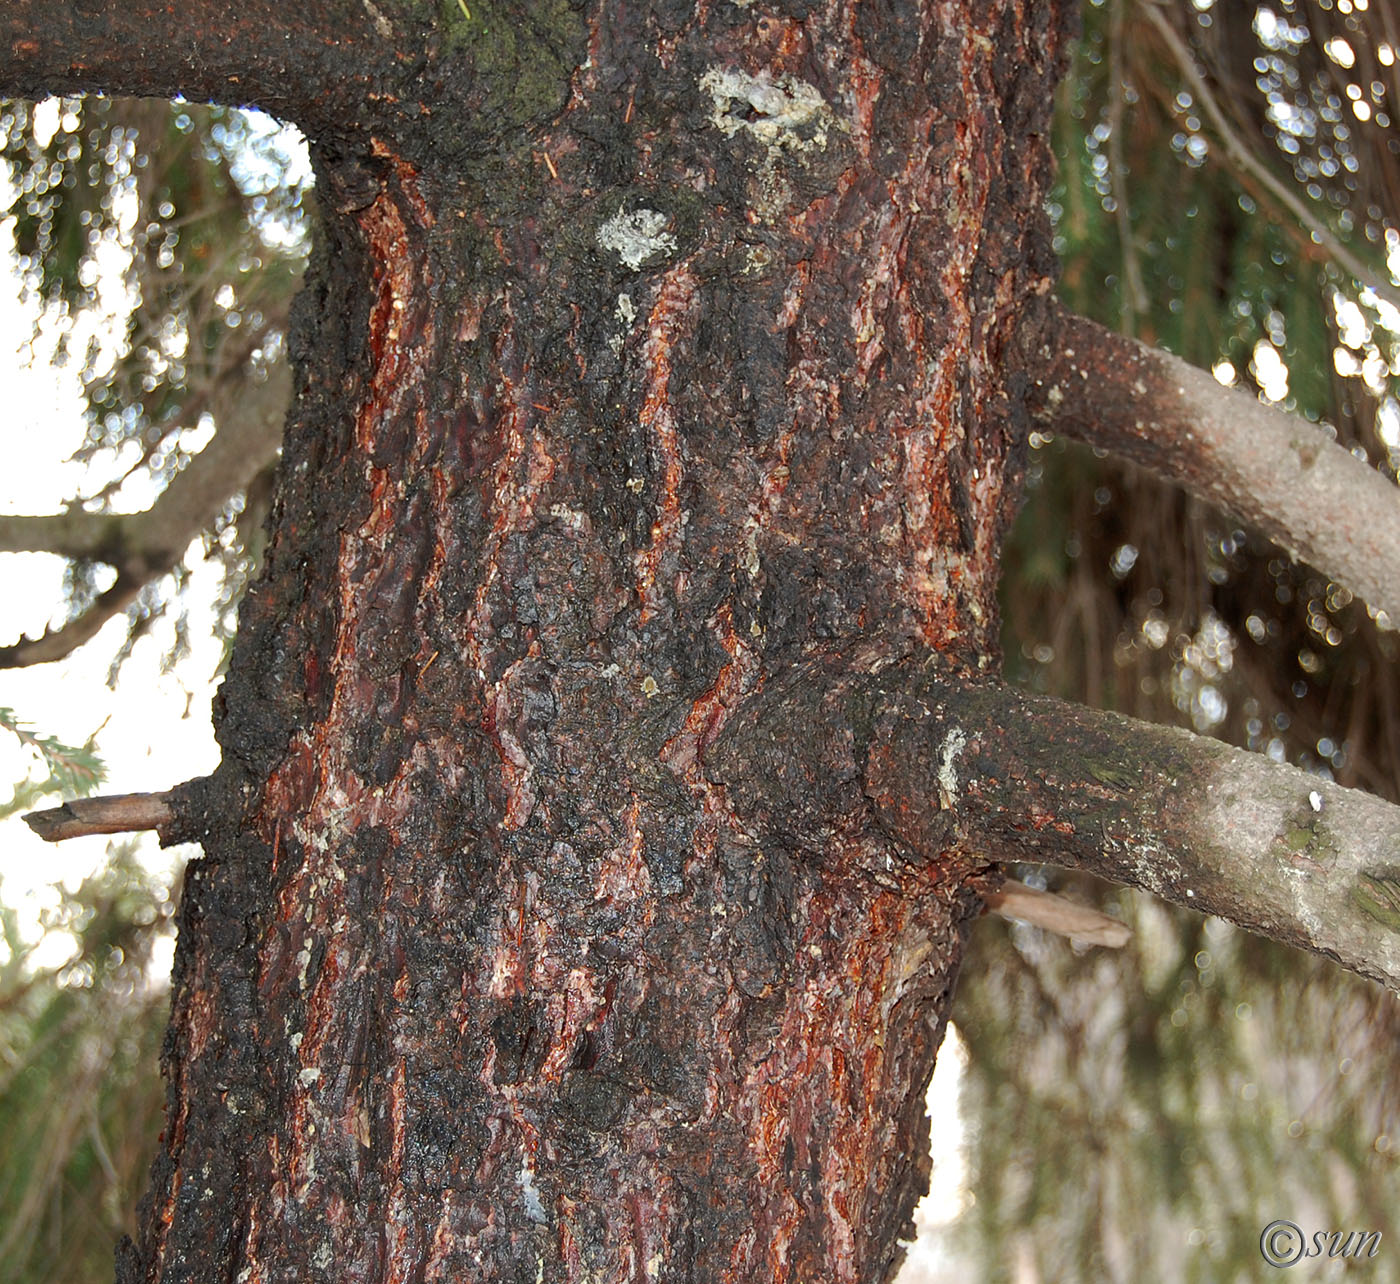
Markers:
(947, 760)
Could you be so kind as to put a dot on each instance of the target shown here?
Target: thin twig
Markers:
(1134, 291)
(1242, 157)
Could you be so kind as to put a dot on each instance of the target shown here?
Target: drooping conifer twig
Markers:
(1251, 167)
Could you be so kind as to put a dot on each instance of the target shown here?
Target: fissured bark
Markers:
(696, 351)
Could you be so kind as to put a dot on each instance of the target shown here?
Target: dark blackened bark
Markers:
(420, 76)
(698, 355)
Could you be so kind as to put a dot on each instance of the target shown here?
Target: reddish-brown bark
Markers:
(699, 354)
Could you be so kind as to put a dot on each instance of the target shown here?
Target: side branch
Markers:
(1274, 471)
(54, 644)
(143, 546)
(1268, 847)
(954, 765)
(259, 52)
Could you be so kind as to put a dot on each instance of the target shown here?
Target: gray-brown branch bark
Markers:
(111, 814)
(957, 763)
(1275, 471)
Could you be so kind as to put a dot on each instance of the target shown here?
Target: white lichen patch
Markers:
(748, 557)
(381, 23)
(626, 314)
(637, 236)
(785, 111)
(534, 1208)
(954, 743)
(791, 120)
(575, 519)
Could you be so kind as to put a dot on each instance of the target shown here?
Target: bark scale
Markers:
(649, 351)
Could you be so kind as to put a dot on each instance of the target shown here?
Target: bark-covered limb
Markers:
(445, 80)
(256, 51)
(1267, 846)
(1058, 914)
(250, 429)
(965, 763)
(1275, 471)
(249, 433)
(54, 644)
(112, 814)
(75, 533)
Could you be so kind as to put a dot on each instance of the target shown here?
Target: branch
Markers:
(364, 79)
(143, 546)
(57, 643)
(1266, 846)
(955, 765)
(112, 814)
(258, 51)
(248, 436)
(1271, 470)
(249, 432)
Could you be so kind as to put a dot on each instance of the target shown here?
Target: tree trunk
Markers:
(648, 351)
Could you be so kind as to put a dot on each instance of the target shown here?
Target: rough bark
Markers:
(1274, 471)
(649, 350)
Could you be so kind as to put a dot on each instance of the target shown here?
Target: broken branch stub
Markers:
(111, 814)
